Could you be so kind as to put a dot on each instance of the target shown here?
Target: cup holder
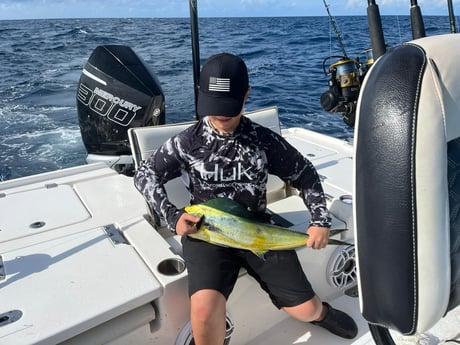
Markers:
(171, 267)
(346, 199)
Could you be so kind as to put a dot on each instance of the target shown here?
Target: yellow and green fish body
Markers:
(226, 223)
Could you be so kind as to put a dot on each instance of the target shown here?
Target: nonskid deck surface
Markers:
(278, 328)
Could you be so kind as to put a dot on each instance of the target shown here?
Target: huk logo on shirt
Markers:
(235, 173)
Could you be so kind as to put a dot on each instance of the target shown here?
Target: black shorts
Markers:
(213, 267)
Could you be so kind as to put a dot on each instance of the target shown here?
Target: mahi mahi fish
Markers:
(226, 223)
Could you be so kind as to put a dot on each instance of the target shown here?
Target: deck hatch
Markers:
(46, 208)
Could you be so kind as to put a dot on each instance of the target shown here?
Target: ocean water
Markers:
(42, 60)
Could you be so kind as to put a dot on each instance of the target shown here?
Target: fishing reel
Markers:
(345, 78)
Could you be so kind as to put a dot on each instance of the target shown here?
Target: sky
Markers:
(37, 9)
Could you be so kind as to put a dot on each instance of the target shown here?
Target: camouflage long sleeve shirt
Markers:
(234, 166)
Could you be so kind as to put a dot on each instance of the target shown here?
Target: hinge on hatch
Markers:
(115, 234)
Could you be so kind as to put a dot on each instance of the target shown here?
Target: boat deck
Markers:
(83, 265)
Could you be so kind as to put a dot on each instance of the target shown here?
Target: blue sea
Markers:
(42, 60)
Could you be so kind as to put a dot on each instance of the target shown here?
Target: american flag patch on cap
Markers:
(219, 84)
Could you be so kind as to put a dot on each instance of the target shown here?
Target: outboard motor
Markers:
(116, 91)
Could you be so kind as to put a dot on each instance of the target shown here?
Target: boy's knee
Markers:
(207, 305)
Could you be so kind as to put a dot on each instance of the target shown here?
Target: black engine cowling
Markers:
(116, 91)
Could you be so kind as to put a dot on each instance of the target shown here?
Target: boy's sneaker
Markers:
(338, 323)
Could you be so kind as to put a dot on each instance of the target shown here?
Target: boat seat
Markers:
(145, 140)
(407, 187)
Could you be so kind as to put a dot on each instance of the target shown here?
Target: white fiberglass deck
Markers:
(89, 269)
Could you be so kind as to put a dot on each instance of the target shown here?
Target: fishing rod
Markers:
(337, 31)
(195, 50)
(346, 75)
(375, 30)
(416, 19)
(453, 29)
